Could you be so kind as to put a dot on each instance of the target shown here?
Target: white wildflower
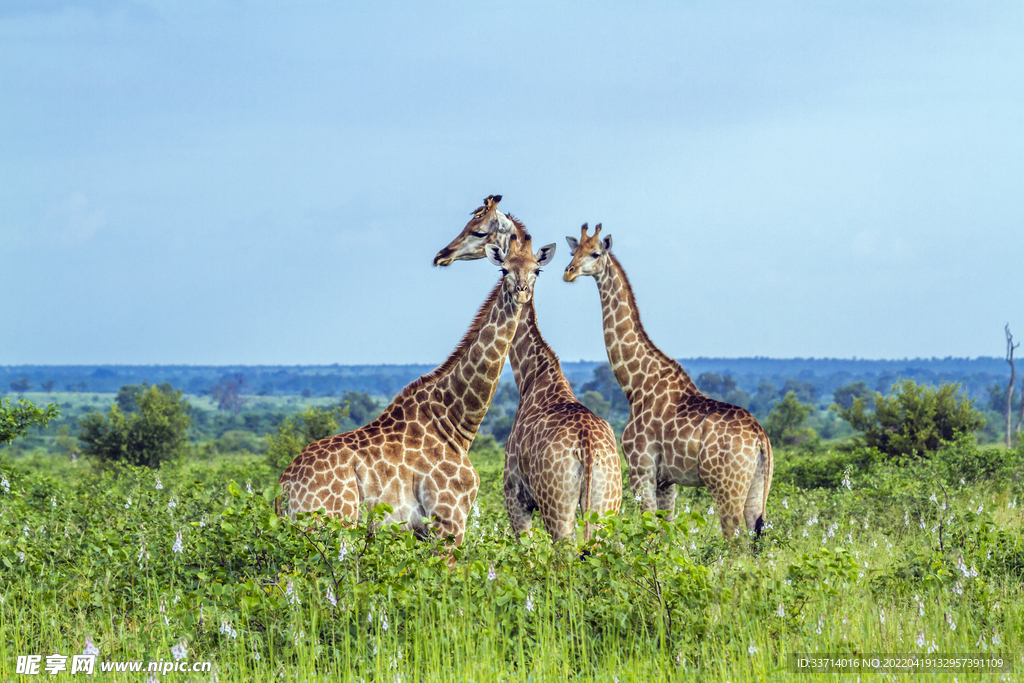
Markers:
(881, 616)
(996, 640)
(129, 503)
(227, 629)
(179, 651)
(172, 504)
(637, 498)
(821, 623)
(248, 486)
(491, 575)
(981, 643)
(292, 594)
(980, 508)
(781, 612)
(932, 647)
(178, 545)
(846, 481)
(53, 501)
(813, 520)
(529, 602)
(342, 550)
(752, 650)
(805, 533)
(933, 499)
(949, 620)
(159, 485)
(5, 484)
(21, 556)
(785, 503)
(384, 621)
(331, 598)
(921, 640)
(90, 647)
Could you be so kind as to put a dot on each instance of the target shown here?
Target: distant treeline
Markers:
(975, 375)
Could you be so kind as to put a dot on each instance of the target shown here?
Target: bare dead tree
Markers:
(1010, 346)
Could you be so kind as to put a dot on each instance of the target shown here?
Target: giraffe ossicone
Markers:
(675, 434)
(559, 455)
(413, 457)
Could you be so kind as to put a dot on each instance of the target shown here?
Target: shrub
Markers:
(783, 424)
(148, 436)
(913, 420)
(295, 433)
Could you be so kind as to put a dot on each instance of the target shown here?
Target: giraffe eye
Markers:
(537, 272)
(595, 254)
(504, 272)
(479, 234)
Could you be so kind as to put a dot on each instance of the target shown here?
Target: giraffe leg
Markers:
(666, 494)
(642, 474)
(753, 510)
(729, 507)
(517, 501)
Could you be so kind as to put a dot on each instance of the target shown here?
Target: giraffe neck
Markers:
(632, 355)
(534, 363)
(466, 381)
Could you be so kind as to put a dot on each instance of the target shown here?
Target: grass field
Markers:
(139, 563)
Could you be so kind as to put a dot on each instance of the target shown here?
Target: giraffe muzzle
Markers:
(570, 274)
(522, 294)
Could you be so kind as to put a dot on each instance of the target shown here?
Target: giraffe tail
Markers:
(766, 465)
(587, 456)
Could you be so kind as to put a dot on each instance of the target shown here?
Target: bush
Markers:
(16, 419)
(295, 433)
(152, 434)
(783, 424)
(913, 420)
(964, 459)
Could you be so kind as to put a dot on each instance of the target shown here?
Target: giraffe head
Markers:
(519, 265)
(588, 253)
(487, 226)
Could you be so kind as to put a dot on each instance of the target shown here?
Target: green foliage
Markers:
(153, 434)
(20, 385)
(844, 396)
(486, 450)
(15, 420)
(362, 409)
(296, 432)
(783, 424)
(913, 420)
(126, 396)
(722, 388)
(596, 403)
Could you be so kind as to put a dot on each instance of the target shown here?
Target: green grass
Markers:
(851, 568)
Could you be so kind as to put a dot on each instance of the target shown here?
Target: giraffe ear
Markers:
(606, 243)
(572, 242)
(495, 255)
(545, 254)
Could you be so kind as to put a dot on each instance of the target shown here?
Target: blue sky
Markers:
(250, 183)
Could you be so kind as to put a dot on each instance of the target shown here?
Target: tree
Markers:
(783, 424)
(596, 403)
(362, 409)
(228, 393)
(1010, 346)
(15, 420)
(722, 388)
(47, 386)
(126, 400)
(296, 432)
(21, 386)
(604, 382)
(152, 434)
(844, 396)
(913, 420)
(763, 400)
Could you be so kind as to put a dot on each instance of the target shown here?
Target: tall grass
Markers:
(873, 567)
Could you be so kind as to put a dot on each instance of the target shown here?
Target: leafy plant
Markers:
(297, 432)
(15, 420)
(913, 420)
(154, 433)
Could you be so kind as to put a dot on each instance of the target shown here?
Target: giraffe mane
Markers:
(530, 310)
(641, 332)
(467, 340)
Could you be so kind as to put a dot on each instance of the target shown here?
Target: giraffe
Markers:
(413, 457)
(559, 455)
(675, 434)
